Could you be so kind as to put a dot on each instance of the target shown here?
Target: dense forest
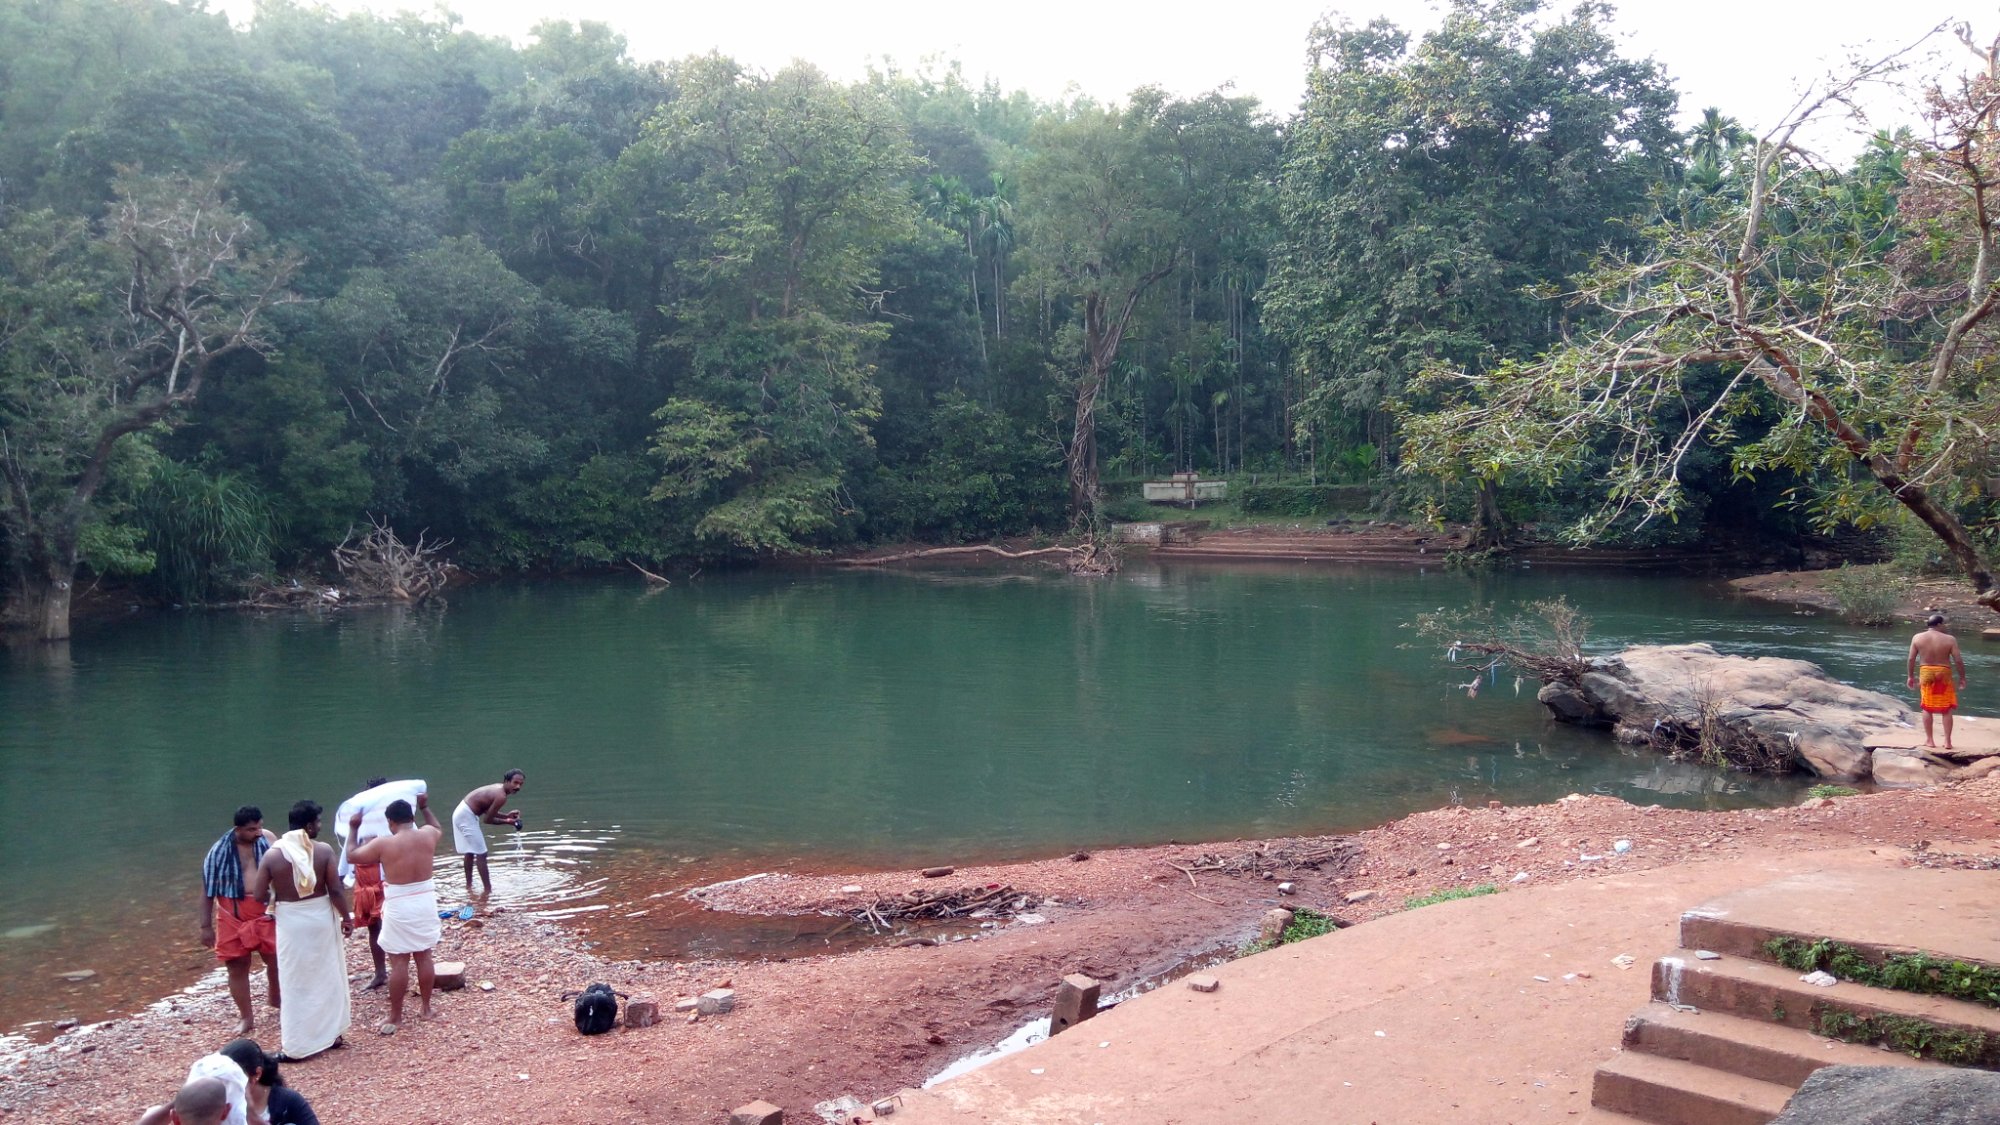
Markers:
(263, 286)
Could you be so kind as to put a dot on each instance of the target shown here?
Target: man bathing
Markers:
(409, 899)
(482, 806)
(313, 916)
(1933, 654)
(232, 923)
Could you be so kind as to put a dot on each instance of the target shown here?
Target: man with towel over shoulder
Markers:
(409, 899)
(313, 916)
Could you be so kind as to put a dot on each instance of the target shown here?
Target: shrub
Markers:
(1449, 893)
(1304, 500)
(1868, 594)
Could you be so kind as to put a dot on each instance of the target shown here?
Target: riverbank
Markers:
(1920, 597)
(871, 1022)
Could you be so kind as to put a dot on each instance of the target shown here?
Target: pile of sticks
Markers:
(1002, 901)
(381, 566)
(1273, 858)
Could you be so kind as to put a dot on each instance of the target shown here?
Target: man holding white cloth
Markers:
(409, 899)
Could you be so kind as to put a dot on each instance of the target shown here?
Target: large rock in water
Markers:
(1894, 1095)
(1790, 708)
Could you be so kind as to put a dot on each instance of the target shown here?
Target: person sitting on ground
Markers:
(482, 806)
(270, 1101)
(202, 1101)
(409, 903)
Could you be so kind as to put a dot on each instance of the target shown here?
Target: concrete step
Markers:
(1759, 1049)
(1672, 1092)
(1947, 913)
(1952, 1030)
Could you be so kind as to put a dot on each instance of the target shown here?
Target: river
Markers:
(827, 718)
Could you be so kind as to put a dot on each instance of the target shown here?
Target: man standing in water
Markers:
(232, 923)
(1933, 653)
(313, 916)
(409, 902)
(482, 806)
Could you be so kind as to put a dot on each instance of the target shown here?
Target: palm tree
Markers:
(1715, 137)
(996, 234)
(947, 203)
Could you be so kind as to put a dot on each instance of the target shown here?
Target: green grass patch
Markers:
(1914, 1037)
(1923, 973)
(1306, 923)
(1818, 791)
(1449, 893)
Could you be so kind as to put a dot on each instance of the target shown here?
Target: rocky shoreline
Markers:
(868, 1023)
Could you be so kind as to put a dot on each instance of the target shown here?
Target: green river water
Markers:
(823, 718)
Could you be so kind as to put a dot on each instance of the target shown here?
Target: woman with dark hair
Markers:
(271, 1102)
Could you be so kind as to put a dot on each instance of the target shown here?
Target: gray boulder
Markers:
(1894, 1095)
(1788, 709)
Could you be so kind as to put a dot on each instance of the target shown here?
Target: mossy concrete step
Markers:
(1878, 912)
(1951, 1030)
(1753, 1048)
(1672, 1092)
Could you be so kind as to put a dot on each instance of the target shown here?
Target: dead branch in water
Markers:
(651, 578)
(382, 566)
(982, 548)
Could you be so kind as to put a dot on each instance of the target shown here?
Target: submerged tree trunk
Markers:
(48, 599)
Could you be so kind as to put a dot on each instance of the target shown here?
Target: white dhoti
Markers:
(466, 835)
(313, 967)
(409, 917)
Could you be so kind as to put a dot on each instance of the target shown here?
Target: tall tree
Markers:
(1432, 190)
(106, 338)
(1873, 367)
(1111, 199)
(795, 185)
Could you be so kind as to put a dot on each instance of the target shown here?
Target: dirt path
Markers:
(871, 1022)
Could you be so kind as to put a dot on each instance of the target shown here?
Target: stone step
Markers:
(1672, 1092)
(1946, 913)
(1753, 1048)
(1756, 990)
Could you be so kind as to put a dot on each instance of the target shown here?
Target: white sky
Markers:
(1747, 56)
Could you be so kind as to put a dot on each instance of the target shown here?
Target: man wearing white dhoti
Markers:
(409, 899)
(314, 914)
(482, 806)
(368, 877)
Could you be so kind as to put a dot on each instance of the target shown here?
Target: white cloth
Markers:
(223, 1069)
(373, 805)
(313, 967)
(298, 849)
(467, 838)
(409, 917)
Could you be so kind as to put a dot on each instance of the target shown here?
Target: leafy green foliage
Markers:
(1304, 500)
(211, 534)
(1868, 594)
(1920, 972)
(1820, 792)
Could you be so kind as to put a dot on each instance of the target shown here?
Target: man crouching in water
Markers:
(409, 899)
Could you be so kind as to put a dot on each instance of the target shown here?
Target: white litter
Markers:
(1820, 978)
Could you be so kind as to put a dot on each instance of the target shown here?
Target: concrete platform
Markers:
(1954, 913)
(1972, 736)
(1477, 1011)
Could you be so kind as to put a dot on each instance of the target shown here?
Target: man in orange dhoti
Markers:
(1933, 654)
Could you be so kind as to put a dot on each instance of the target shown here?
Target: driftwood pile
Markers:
(382, 567)
(1273, 858)
(1001, 901)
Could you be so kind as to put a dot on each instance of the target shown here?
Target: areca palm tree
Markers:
(947, 203)
(1714, 137)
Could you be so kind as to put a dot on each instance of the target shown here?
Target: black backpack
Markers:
(596, 1009)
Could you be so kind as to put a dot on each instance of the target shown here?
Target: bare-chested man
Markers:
(1933, 654)
(482, 806)
(409, 899)
(234, 923)
(314, 914)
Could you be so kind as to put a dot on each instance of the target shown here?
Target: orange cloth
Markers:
(367, 894)
(1934, 681)
(242, 928)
